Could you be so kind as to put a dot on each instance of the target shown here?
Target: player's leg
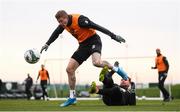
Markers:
(71, 68)
(105, 77)
(79, 56)
(95, 50)
(161, 84)
(111, 96)
(27, 93)
(105, 91)
(102, 74)
(94, 89)
(96, 60)
(108, 82)
(162, 78)
(43, 89)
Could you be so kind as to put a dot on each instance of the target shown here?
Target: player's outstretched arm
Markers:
(52, 38)
(86, 22)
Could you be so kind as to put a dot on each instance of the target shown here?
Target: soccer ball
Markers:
(32, 56)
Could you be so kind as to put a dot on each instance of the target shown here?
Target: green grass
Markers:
(150, 92)
(34, 105)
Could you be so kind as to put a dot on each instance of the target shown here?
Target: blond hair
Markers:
(61, 13)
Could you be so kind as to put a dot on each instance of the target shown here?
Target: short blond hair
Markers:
(61, 13)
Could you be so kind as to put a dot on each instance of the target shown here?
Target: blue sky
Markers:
(145, 24)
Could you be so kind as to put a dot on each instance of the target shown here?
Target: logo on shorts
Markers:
(93, 46)
(86, 21)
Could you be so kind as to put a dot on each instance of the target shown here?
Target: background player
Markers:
(161, 63)
(44, 76)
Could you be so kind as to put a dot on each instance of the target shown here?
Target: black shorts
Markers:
(86, 48)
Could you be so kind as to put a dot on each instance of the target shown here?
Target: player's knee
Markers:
(97, 63)
(69, 70)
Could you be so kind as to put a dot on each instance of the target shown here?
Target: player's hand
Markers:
(45, 47)
(118, 38)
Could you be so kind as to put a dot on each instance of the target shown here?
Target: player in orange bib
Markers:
(161, 63)
(84, 30)
(44, 77)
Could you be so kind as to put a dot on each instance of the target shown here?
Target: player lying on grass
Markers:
(113, 94)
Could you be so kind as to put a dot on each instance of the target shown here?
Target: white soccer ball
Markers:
(32, 56)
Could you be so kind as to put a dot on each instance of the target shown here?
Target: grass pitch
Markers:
(35, 105)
